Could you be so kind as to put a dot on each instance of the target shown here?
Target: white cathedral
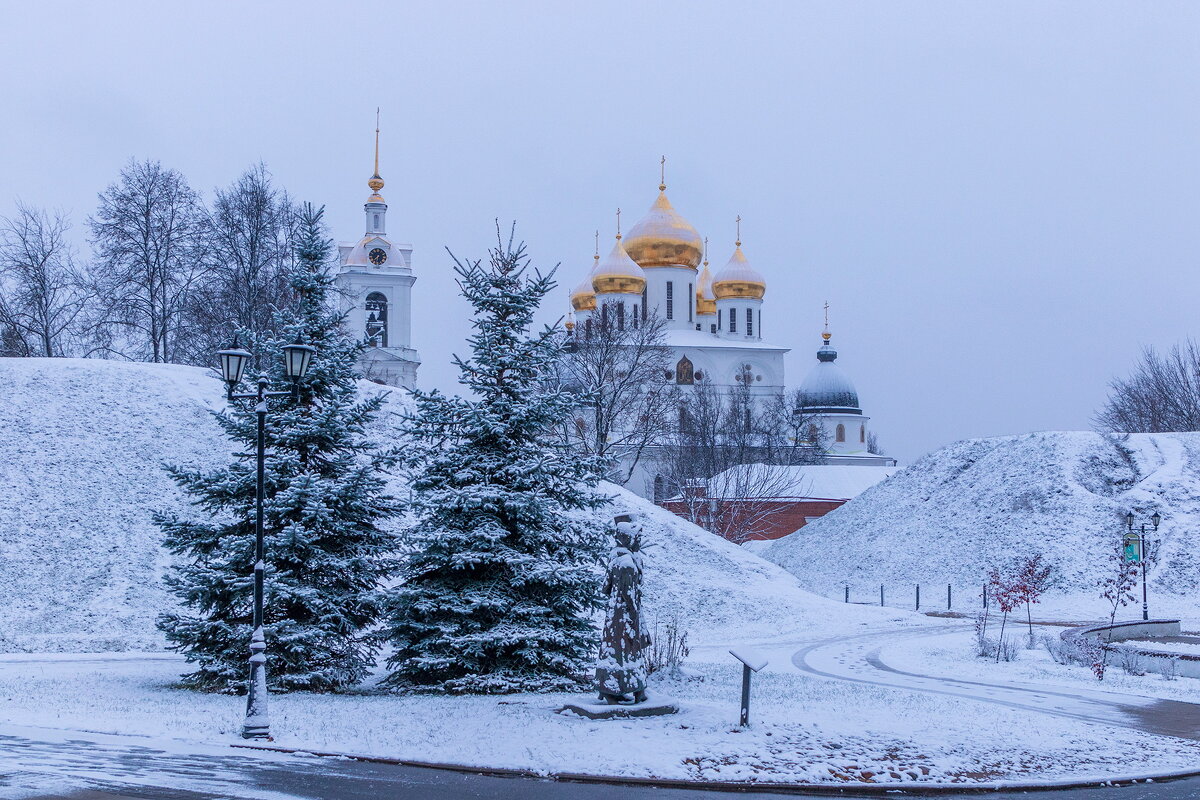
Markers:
(714, 325)
(714, 322)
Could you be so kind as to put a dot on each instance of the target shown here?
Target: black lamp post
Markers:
(1140, 538)
(296, 358)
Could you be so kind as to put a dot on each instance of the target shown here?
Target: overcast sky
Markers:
(999, 200)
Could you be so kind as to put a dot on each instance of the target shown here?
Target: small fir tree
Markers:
(325, 496)
(501, 584)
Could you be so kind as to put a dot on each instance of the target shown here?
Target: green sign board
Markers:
(1133, 548)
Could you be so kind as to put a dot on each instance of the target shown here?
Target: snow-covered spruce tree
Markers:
(325, 496)
(502, 582)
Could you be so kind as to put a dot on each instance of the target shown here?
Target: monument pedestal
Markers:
(653, 707)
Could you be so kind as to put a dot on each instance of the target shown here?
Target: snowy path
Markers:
(864, 659)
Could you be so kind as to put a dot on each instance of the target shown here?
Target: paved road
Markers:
(863, 659)
(50, 764)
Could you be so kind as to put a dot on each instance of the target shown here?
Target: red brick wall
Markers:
(782, 516)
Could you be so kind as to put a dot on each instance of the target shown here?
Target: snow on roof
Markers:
(814, 482)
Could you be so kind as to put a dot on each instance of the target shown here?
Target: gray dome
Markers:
(826, 388)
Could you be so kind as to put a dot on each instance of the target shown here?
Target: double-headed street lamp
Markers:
(1136, 552)
(296, 358)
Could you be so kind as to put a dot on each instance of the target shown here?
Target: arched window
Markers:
(813, 435)
(620, 316)
(377, 319)
(684, 373)
(862, 434)
(749, 322)
(839, 434)
(376, 226)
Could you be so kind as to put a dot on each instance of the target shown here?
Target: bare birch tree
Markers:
(618, 367)
(1162, 394)
(42, 291)
(148, 236)
(249, 235)
(731, 458)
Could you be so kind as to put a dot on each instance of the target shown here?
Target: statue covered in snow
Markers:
(622, 668)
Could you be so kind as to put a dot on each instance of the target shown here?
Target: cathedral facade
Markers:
(714, 327)
(376, 278)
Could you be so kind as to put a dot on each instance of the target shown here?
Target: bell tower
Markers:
(376, 278)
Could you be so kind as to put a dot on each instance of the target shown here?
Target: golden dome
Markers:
(618, 273)
(662, 238)
(583, 298)
(739, 279)
(706, 303)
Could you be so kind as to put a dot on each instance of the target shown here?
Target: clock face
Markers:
(377, 256)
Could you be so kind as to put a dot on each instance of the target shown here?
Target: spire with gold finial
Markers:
(826, 335)
(662, 174)
(376, 182)
(706, 303)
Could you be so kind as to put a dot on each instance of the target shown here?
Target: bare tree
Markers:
(618, 367)
(249, 235)
(148, 234)
(873, 446)
(42, 291)
(1162, 394)
(732, 460)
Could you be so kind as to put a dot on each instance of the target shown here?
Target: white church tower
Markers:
(376, 279)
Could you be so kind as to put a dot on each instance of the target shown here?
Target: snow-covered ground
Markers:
(81, 449)
(954, 513)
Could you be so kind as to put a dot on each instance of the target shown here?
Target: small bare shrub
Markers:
(1168, 667)
(1131, 661)
(668, 649)
(1007, 650)
(1075, 652)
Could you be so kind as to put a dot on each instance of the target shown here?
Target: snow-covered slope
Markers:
(986, 501)
(723, 593)
(82, 445)
(82, 449)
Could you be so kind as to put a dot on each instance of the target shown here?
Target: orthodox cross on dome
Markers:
(618, 223)
(597, 255)
(825, 335)
(662, 174)
(738, 221)
(706, 251)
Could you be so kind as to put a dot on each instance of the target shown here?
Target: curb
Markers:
(767, 787)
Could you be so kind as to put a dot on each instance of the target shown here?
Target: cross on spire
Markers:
(826, 316)
(597, 255)
(706, 251)
(662, 174)
(738, 241)
(376, 140)
(618, 223)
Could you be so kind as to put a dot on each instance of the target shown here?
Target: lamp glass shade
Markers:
(233, 364)
(296, 358)
(1156, 518)
(1129, 520)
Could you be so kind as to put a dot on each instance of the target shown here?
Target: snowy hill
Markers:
(81, 448)
(82, 444)
(985, 501)
(723, 593)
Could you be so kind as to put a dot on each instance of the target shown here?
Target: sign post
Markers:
(751, 662)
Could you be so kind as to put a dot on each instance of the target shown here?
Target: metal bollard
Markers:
(918, 597)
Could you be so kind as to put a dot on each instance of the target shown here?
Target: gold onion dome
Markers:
(583, 298)
(706, 303)
(739, 279)
(662, 238)
(618, 273)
